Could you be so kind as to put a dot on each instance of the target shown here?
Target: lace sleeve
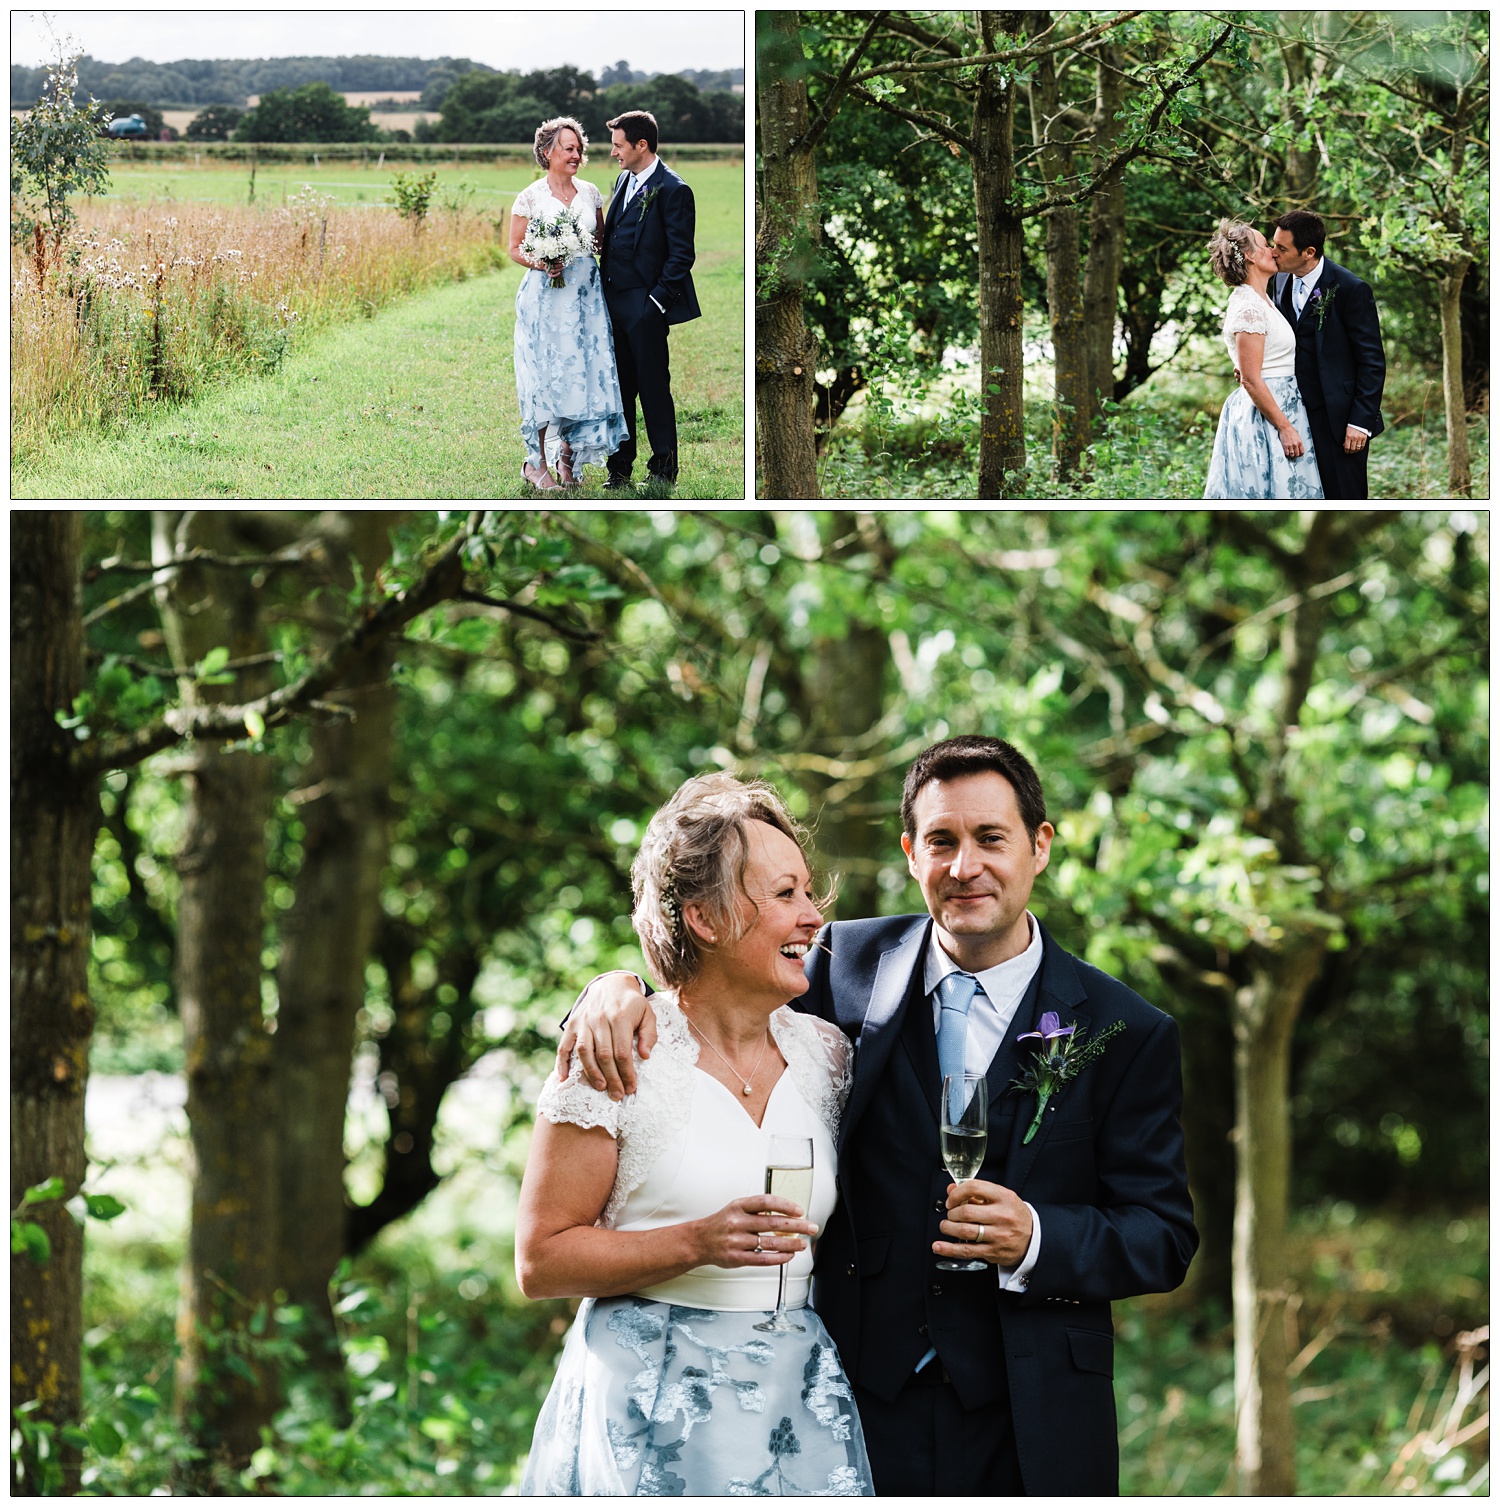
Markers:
(575, 1101)
(820, 1060)
(1247, 312)
(525, 202)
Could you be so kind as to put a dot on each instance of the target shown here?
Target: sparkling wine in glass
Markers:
(964, 1135)
(789, 1174)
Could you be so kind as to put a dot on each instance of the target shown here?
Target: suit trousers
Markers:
(1344, 475)
(642, 359)
(926, 1443)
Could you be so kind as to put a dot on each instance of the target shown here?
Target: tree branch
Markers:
(829, 107)
(564, 630)
(443, 580)
(1125, 156)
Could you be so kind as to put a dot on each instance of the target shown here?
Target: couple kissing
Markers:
(1304, 336)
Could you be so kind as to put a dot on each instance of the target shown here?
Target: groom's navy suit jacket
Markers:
(1105, 1173)
(1340, 368)
(650, 245)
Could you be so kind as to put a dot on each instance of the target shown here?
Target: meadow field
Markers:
(180, 301)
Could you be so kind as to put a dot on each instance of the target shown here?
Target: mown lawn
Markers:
(417, 402)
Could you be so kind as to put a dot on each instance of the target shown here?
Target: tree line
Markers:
(926, 177)
(230, 81)
(317, 783)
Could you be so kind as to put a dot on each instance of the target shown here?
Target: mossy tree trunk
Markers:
(1002, 426)
(1265, 1013)
(224, 1393)
(327, 937)
(1072, 402)
(54, 816)
(787, 234)
(1101, 276)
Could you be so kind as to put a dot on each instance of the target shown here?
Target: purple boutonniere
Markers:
(1322, 300)
(1061, 1055)
(647, 195)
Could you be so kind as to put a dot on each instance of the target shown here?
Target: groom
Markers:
(997, 1381)
(645, 253)
(1340, 357)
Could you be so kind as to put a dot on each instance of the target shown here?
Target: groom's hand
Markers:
(987, 1221)
(1355, 440)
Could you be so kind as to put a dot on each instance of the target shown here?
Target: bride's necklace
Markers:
(557, 193)
(739, 1076)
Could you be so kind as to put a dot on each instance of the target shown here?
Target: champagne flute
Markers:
(964, 1134)
(789, 1174)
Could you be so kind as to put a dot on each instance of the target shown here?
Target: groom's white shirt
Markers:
(1309, 282)
(990, 1016)
(636, 184)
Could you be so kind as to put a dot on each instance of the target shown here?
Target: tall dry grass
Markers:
(142, 305)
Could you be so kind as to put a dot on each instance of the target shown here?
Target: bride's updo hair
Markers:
(546, 139)
(694, 851)
(1232, 243)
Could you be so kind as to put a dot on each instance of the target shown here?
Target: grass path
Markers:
(417, 403)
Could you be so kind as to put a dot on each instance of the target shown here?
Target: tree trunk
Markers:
(1455, 412)
(417, 1067)
(1072, 402)
(54, 817)
(1301, 172)
(844, 691)
(326, 938)
(1002, 429)
(1101, 276)
(788, 232)
(1265, 1012)
(223, 1395)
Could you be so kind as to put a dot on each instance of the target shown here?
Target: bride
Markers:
(1263, 448)
(674, 1379)
(566, 379)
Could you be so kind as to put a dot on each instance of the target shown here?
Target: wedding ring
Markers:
(758, 1248)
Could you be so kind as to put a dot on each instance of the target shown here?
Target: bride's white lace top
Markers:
(687, 1145)
(1256, 315)
(537, 198)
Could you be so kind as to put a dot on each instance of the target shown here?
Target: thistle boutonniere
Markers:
(1322, 299)
(646, 196)
(1061, 1056)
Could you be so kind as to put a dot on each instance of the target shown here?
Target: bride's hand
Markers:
(730, 1237)
(1291, 442)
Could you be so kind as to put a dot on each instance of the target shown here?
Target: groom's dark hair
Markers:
(1305, 228)
(638, 125)
(955, 757)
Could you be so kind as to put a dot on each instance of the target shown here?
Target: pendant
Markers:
(746, 1090)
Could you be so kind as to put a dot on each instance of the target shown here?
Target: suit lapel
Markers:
(1060, 990)
(884, 1014)
(615, 198)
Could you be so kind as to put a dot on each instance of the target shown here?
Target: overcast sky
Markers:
(660, 41)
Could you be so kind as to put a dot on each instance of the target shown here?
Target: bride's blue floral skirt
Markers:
(1248, 460)
(566, 378)
(653, 1399)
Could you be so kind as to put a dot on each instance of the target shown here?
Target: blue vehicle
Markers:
(128, 127)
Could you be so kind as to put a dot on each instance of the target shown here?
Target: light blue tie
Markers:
(955, 995)
(1299, 295)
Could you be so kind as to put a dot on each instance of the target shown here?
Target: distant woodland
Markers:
(230, 81)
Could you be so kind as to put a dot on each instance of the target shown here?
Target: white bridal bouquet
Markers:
(558, 239)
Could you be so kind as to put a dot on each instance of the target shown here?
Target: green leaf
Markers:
(213, 661)
(41, 1193)
(237, 1365)
(29, 1237)
(103, 1206)
(255, 724)
(444, 1430)
(105, 1437)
